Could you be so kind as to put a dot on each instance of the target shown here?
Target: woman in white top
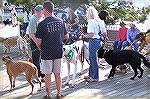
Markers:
(94, 27)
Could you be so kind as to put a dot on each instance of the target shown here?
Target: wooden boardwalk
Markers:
(118, 87)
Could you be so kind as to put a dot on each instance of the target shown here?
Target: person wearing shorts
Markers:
(49, 38)
(51, 66)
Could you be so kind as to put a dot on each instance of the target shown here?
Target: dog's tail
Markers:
(146, 63)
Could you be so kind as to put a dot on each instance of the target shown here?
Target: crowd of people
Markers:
(47, 34)
(45, 30)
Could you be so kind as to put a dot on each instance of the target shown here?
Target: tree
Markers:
(26, 3)
(124, 11)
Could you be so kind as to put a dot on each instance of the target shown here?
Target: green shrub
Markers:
(21, 19)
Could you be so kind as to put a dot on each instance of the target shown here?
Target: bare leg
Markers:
(58, 83)
(48, 84)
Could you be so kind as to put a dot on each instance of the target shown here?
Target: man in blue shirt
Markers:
(131, 34)
(49, 38)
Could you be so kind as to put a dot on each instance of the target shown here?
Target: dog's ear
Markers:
(6, 57)
(3, 58)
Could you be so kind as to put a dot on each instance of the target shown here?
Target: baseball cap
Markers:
(38, 8)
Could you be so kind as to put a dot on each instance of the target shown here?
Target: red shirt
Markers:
(122, 33)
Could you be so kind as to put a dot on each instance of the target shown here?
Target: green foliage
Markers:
(21, 19)
(142, 18)
(126, 13)
(26, 3)
(110, 20)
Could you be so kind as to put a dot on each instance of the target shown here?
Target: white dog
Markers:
(71, 56)
(22, 45)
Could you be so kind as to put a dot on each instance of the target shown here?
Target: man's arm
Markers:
(37, 41)
(37, 38)
(66, 36)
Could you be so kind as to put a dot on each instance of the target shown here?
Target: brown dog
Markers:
(14, 68)
(10, 42)
(144, 38)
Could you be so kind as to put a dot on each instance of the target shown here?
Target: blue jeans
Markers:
(117, 45)
(126, 43)
(94, 45)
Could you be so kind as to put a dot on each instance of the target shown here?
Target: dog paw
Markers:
(13, 86)
(30, 94)
(79, 74)
(39, 89)
(132, 78)
(10, 90)
(109, 76)
(66, 84)
(139, 76)
(71, 86)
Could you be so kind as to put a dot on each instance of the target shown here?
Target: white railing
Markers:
(142, 27)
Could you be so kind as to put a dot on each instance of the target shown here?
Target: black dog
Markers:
(115, 58)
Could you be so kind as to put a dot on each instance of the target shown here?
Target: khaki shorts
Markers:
(49, 66)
